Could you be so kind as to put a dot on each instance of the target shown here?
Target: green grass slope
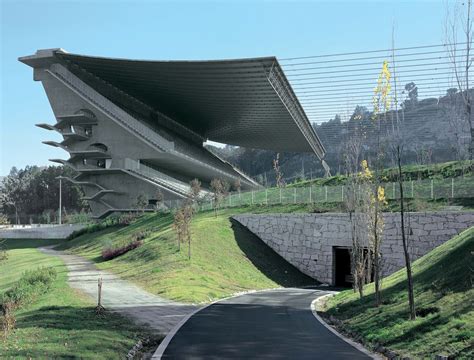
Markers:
(225, 258)
(448, 169)
(443, 285)
(61, 323)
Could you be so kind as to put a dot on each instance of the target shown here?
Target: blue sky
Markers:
(183, 30)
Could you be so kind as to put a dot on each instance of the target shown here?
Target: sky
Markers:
(183, 30)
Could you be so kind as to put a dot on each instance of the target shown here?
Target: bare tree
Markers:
(218, 188)
(195, 191)
(455, 113)
(182, 225)
(398, 141)
(280, 182)
(159, 200)
(460, 20)
(178, 226)
(376, 199)
(188, 213)
(352, 204)
(141, 202)
(237, 185)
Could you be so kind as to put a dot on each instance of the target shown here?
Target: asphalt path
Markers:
(276, 324)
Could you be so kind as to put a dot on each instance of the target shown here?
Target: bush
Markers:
(141, 235)
(4, 220)
(32, 284)
(3, 250)
(127, 219)
(111, 253)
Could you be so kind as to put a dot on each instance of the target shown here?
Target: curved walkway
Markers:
(276, 324)
(121, 296)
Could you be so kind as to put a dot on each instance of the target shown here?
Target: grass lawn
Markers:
(225, 258)
(61, 323)
(443, 284)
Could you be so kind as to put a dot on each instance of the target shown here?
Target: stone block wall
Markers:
(307, 240)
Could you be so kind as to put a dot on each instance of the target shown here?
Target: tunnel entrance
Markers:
(342, 267)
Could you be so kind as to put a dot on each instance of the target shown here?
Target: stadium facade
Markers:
(134, 127)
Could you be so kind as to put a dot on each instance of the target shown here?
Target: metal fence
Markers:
(450, 188)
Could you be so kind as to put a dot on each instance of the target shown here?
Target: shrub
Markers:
(111, 253)
(31, 285)
(4, 220)
(3, 251)
(140, 235)
(7, 320)
(127, 219)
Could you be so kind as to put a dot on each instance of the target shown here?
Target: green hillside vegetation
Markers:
(225, 257)
(62, 322)
(410, 172)
(444, 293)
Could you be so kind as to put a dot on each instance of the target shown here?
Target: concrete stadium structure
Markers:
(136, 128)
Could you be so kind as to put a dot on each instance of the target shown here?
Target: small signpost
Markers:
(99, 308)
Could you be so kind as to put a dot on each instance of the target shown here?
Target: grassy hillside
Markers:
(410, 172)
(444, 293)
(225, 258)
(61, 323)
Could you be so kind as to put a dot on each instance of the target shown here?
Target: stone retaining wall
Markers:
(307, 240)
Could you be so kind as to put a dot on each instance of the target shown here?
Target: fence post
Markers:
(393, 190)
(342, 193)
(266, 196)
(230, 199)
(280, 196)
(252, 197)
(412, 193)
(432, 192)
(452, 188)
(310, 195)
(294, 192)
(326, 193)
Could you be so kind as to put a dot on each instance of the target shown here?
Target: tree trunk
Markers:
(411, 297)
(378, 297)
(189, 248)
(376, 252)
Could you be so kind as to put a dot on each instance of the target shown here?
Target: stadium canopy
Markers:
(243, 102)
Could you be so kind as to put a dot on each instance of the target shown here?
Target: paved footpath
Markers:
(122, 296)
(276, 324)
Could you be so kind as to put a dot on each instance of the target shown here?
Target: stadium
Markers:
(136, 128)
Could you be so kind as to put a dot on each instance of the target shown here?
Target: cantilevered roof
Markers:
(244, 102)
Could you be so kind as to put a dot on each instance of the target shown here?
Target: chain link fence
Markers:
(449, 188)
